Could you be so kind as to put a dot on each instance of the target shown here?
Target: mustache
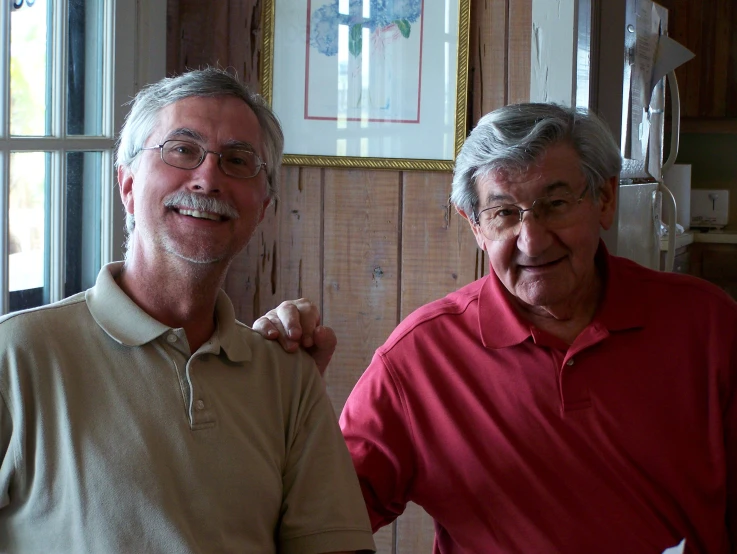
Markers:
(201, 203)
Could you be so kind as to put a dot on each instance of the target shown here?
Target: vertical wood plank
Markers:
(488, 56)
(361, 221)
(249, 279)
(690, 100)
(173, 44)
(237, 37)
(708, 59)
(298, 272)
(360, 288)
(731, 105)
(244, 40)
(438, 248)
(283, 260)
(520, 36)
(718, 99)
(200, 48)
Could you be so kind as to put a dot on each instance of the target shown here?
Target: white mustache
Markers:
(201, 203)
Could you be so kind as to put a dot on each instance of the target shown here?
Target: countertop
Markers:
(723, 236)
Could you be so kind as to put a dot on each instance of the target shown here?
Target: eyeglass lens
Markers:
(236, 162)
(504, 222)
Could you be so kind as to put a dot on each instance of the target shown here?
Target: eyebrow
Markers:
(186, 132)
(506, 198)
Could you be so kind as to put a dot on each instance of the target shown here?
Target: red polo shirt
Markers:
(513, 441)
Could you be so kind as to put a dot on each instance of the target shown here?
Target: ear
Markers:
(125, 184)
(608, 202)
(480, 240)
(264, 206)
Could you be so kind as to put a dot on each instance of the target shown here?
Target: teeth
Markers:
(200, 215)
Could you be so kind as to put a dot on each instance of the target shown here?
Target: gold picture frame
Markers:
(353, 89)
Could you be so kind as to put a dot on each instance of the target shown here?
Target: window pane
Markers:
(28, 229)
(29, 90)
(84, 98)
(84, 220)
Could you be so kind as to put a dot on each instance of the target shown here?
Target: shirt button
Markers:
(200, 405)
(172, 338)
(570, 362)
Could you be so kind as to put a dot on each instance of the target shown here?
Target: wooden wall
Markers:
(368, 247)
(708, 82)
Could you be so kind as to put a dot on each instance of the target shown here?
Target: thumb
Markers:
(325, 342)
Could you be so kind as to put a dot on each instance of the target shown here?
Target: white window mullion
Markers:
(108, 249)
(4, 157)
(59, 69)
(4, 231)
(57, 221)
(57, 225)
(109, 203)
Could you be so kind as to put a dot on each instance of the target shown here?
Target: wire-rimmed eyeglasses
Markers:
(234, 162)
(554, 211)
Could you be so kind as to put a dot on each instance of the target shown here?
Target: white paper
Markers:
(647, 32)
(677, 549)
(670, 54)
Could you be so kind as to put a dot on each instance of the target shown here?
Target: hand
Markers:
(296, 323)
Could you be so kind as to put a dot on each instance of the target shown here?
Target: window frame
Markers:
(134, 54)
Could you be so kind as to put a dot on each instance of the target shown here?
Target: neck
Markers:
(568, 319)
(180, 295)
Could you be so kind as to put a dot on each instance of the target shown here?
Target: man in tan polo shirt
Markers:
(140, 416)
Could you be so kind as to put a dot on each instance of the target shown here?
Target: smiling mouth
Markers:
(200, 215)
(540, 266)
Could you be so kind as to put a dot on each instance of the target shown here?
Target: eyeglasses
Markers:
(555, 211)
(234, 162)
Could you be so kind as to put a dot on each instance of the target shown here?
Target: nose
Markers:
(533, 237)
(206, 177)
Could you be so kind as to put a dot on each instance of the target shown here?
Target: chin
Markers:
(198, 256)
(540, 296)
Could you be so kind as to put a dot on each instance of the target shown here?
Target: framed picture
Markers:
(376, 84)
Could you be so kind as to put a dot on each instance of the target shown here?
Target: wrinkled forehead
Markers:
(213, 121)
(509, 183)
(548, 175)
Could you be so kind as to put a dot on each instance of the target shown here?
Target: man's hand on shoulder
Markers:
(296, 323)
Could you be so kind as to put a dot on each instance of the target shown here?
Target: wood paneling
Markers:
(437, 244)
(488, 57)
(361, 269)
(368, 247)
(708, 83)
(519, 31)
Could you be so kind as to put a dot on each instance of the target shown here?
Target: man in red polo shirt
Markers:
(570, 401)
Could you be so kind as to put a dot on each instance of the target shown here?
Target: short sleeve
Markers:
(322, 508)
(376, 431)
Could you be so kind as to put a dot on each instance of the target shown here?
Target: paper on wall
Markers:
(677, 549)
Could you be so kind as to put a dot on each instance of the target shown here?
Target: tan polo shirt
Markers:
(115, 438)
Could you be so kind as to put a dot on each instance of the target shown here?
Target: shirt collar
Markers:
(624, 304)
(125, 322)
(499, 323)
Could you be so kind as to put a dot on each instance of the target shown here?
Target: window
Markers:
(68, 69)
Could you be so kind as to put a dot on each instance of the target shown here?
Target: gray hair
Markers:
(208, 82)
(513, 137)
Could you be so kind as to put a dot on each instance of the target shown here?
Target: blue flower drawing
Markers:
(384, 15)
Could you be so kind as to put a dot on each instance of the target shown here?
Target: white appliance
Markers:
(624, 58)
